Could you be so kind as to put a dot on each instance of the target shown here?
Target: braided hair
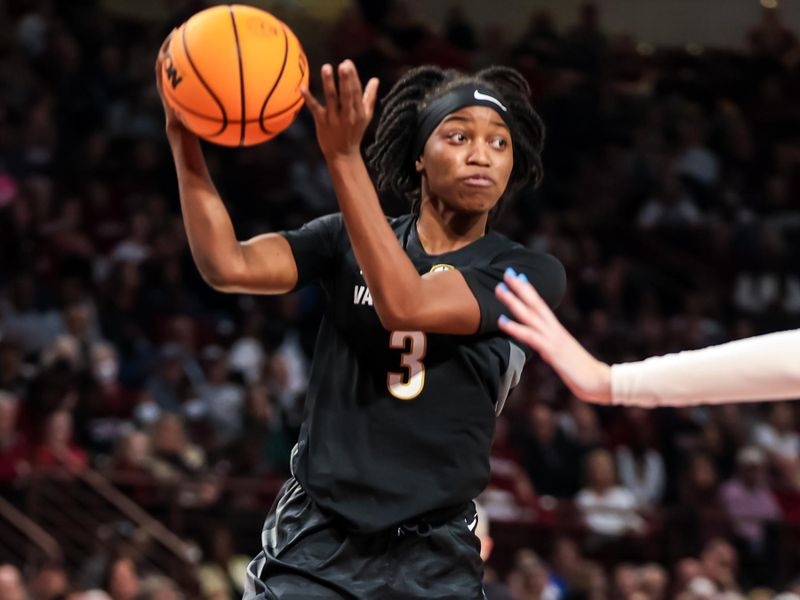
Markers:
(390, 154)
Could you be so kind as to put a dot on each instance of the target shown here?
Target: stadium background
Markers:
(145, 420)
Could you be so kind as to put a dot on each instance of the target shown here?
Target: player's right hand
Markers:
(173, 123)
(343, 119)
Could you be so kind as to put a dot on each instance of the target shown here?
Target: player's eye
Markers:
(457, 136)
(499, 143)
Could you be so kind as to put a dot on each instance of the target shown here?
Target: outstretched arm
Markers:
(262, 265)
(764, 367)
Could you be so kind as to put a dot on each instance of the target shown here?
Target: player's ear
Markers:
(419, 165)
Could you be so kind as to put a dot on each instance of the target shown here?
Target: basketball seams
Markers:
(200, 115)
(202, 80)
(241, 73)
(212, 54)
(277, 80)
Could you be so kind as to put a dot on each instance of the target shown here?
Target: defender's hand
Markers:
(537, 326)
(344, 118)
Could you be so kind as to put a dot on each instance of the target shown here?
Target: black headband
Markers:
(460, 97)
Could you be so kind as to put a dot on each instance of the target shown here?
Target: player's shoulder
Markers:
(335, 222)
(331, 224)
(334, 226)
(505, 250)
(544, 270)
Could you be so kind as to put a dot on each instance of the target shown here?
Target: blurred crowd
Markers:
(671, 195)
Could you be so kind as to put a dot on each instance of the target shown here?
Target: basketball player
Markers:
(410, 367)
(765, 367)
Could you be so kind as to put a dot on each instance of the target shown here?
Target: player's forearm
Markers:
(760, 368)
(392, 279)
(211, 236)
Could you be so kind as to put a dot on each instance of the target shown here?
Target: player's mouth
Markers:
(478, 181)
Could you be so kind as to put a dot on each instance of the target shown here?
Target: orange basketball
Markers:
(233, 75)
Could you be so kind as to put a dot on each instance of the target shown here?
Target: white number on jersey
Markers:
(407, 386)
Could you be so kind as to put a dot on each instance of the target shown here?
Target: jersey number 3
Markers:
(407, 386)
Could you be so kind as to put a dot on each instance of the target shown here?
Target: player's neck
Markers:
(443, 230)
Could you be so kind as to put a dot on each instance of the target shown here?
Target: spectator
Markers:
(529, 580)
(568, 566)
(507, 471)
(132, 467)
(22, 319)
(159, 587)
(771, 39)
(57, 449)
(648, 581)
(11, 585)
(778, 437)
(221, 399)
(699, 515)
(222, 572)
(135, 248)
(753, 511)
(626, 581)
(104, 406)
(133, 454)
(49, 582)
(176, 381)
(671, 207)
(540, 39)
(179, 461)
(653, 581)
(174, 455)
(609, 510)
(14, 450)
(247, 355)
(581, 424)
(80, 340)
(586, 43)
(720, 446)
(696, 161)
(766, 281)
(641, 470)
(719, 564)
(264, 446)
(15, 376)
(122, 579)
(548, 454)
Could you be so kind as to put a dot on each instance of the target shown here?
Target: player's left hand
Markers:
(173, 124)
(537, 326)
(343, 119)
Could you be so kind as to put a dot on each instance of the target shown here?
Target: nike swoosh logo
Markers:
(472, 526)
(487, 98)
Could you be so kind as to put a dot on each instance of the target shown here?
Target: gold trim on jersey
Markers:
(441, 267)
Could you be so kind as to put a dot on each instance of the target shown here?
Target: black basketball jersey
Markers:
(400, 423)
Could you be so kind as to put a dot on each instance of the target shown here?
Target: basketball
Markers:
(233, 74)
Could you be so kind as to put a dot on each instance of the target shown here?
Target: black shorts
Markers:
(308, 555)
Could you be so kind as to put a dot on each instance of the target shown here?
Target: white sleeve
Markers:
(765, 367)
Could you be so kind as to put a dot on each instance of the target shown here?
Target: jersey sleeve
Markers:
(315, 247)
(544, 272)
(753, 369)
